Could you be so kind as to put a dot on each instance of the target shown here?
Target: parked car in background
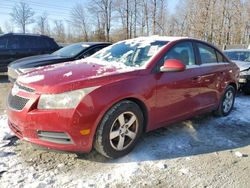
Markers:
(14, 46)
(242, 59)
(108, 99)
(69, 53)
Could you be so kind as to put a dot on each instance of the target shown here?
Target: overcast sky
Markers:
(56, 9)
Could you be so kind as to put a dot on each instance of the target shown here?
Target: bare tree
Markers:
(8, 27)
(59, 31)
(127, 19)
(78, 20)
(103, 11)
(42, 24)
(22, 15)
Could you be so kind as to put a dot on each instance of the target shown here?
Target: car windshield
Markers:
(132, 53)
(239, 55)
(71, 50)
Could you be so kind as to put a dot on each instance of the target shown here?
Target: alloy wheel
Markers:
(228, 101)
(123, 131)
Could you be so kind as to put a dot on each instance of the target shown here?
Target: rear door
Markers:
(177, 92)
(211, 76)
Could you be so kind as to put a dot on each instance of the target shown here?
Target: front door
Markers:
(177, 91)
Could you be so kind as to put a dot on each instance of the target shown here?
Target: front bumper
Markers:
(53, 129)
(29, 128)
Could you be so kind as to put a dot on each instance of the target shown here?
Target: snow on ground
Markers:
(5, 132)
(199, 152)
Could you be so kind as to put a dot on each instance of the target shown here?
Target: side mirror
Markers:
(173, 65)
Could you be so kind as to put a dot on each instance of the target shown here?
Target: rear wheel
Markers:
(227, 102)
(119, 130)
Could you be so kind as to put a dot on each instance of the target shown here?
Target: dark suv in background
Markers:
(16, 46)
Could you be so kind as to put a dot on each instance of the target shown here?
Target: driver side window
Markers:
(183, 52)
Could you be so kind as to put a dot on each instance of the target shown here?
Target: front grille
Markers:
(17, 102)
(16, 129)
(55, 137)
(21, 87)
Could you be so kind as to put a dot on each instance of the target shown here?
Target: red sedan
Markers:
(110, 98)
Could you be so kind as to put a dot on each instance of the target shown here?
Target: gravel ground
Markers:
(201, 152)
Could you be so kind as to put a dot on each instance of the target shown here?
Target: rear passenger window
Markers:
(26, 42)
(14, 43)
(207, 54)
(3, 43)
(183, 52)
(35, 43)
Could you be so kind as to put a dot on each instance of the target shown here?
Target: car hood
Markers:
(243, 65)
(35, 61)
(74, 75)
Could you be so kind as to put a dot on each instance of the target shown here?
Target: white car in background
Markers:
(242, 58)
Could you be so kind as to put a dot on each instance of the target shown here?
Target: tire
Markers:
(119, 130)
(227, 102)
(246, 88)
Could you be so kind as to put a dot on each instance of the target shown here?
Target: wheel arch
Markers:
(143, 109)
(98, 135)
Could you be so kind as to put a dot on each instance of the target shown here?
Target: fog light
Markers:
(55, 137)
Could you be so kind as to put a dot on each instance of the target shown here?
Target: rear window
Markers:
(36, 42)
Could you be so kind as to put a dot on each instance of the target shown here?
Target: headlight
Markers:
(12, 73)
(67, 100)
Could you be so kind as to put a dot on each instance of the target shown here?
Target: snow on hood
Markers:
(70, 72)
(243, 65)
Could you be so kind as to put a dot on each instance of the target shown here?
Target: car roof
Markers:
(237, 50)
(24, 34)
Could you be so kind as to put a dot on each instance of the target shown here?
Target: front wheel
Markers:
(227, 102)
(119, 130)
